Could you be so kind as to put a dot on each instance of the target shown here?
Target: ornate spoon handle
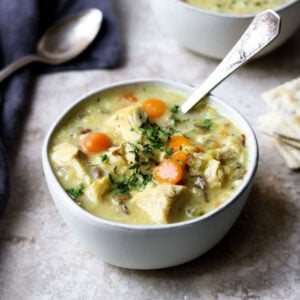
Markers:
(261, 32)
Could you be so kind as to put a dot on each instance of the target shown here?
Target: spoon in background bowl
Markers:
(264, 28)
(63, 41)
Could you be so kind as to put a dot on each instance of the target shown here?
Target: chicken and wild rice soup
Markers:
(237, 6)
(130, 156)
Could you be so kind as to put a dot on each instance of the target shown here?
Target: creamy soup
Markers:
(237, 6)
(130, 156)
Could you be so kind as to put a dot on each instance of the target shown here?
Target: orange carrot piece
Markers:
(181, 156)
(224, 133)
(169, 171)
(96, 142)
(129, 97)
(154, 108)
(177, 142)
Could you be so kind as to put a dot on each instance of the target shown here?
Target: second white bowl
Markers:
(214, 34)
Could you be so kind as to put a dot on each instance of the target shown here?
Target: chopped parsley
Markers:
(134, 166)
(135, 151)
(174, 117)
(125, 184)
(147, 150)
(169, 151)
(104, 158)
(146, 178)
(157, 136)
(121, 186)
(175, 109)
(76, 192)
(175, 120)
(207, 123)
(140, 169)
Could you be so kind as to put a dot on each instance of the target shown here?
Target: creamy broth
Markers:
(151, 164)
(237, 6)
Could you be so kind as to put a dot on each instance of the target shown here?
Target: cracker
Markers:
(273, 123)
(286, 100)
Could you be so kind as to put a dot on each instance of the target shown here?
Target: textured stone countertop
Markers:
(258, 259)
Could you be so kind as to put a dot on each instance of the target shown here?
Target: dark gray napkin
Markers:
(21, 25)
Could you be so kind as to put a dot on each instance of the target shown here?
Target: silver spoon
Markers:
(264, 28)
(62, 42)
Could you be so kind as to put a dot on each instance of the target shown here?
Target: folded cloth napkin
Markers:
(21, 25)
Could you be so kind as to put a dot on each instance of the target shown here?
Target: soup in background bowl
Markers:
(159, 187)
(213, 33)
(237, 6)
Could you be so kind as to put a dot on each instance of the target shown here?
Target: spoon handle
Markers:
(262, 31)
(19, 63)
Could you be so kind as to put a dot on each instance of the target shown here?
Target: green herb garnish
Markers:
(134, 166)
(104, 158)
(175, 120)
(135, 151)
(121, 186)
(207, 123)
(135, 181)
(146, 178)
(175, 109)
(147, 150)
(169, 151)
(76, 192)
(115, 169)
(158, 136)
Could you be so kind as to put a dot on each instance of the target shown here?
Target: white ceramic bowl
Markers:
(155, 246)
(214, 34)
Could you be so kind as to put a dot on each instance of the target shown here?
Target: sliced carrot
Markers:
(154, 108)
(177, 142)
(180, 156)
(129, 97)
(169, 171)
(96, 142)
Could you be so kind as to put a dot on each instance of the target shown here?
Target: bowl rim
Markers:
(69, 203)
(191, 7)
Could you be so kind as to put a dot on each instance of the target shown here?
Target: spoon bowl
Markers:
(63, 41)
(69, 37)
